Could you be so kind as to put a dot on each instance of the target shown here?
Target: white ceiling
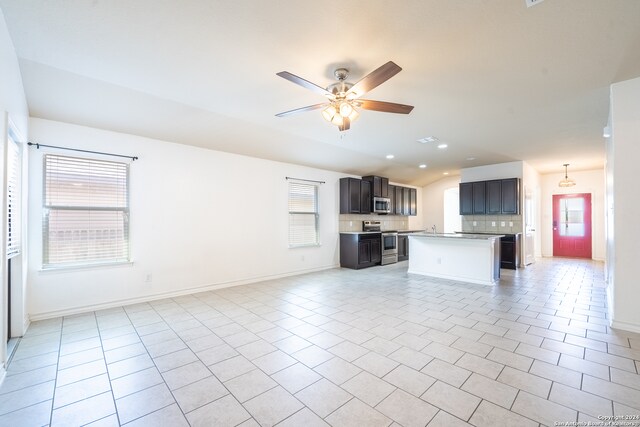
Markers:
(494, 79)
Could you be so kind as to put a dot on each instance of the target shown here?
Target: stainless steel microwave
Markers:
(381, 205)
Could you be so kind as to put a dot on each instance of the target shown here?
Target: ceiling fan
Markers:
(344, 97)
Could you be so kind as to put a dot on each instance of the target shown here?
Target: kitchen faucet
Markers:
(433, 229)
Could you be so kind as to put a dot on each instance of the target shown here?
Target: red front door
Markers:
(572, 225)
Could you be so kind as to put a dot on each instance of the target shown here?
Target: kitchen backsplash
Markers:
(388, 222)
(492, 224)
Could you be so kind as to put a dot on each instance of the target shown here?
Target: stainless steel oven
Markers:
(389, 247)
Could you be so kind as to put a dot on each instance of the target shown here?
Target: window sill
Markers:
(65, 268)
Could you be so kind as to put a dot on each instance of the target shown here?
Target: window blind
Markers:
(303, 214)
(14, 178)
(86, 211)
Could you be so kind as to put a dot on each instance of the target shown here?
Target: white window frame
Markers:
(299, 213)
(47, 209)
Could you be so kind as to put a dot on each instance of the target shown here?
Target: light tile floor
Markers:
(374, 347)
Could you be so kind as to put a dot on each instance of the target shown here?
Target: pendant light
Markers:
(566, 182)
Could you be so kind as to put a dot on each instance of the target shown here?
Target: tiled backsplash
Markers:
(388, 222)
(492, 224)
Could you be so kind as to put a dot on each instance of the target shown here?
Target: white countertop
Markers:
(458, 236)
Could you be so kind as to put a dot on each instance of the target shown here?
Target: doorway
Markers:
(572, 225)
(452, 218)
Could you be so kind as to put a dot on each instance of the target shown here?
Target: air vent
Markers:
(530, 3)
(428, 139)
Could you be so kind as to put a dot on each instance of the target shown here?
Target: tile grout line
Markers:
(55, 384)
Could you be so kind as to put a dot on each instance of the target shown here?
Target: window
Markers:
(86, 211)
(13, 198)
(303, 214)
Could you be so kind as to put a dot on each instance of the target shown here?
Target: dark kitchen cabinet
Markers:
(399, 206)
(466, 198)
(494, 197)
(511, 196)
(479, 198)
(406, 201)
(365, 197)
(403, 247)
(413, 202)
(392, 198)
(360, 250)
(379, 185)
(355, 196)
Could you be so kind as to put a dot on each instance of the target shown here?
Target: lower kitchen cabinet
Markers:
(403, 247)
(360, 250)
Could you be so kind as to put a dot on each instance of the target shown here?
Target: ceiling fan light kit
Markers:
(566, 182)
(344, 98)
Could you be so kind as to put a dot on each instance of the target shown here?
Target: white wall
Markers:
(13, 106)
(198, 218)
(433, 201)
(489, 172)
(623, 233)
(586, 182)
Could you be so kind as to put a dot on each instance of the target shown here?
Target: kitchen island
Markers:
(473, 258)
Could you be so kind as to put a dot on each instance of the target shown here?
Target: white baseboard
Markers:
(34, 317)
(630, 327)
(25, 325)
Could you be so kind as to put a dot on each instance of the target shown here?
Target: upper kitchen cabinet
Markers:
(413, 202)
(392, 198)
(406, 201)
(379, 185)
(511, 196)
(399, 210)
(365, 197)
(479, 195)
(466, 198)
(495, 197)
(355, 196)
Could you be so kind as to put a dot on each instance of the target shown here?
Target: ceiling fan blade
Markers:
(386, 107)
(304, 83)
(346, 124)
(301, 110)
(375, 78)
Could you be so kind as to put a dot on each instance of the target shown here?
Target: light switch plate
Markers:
(502, 224)
(475, 223)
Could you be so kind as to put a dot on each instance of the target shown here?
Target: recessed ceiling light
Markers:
(427, 139)
(422, 166)
(471, 158)
(441, 146)
(445, 173)
(390, 156)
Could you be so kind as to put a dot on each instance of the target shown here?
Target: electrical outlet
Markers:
(148, 278)
(493, 223)
(510, 223)
(502, 223)
(475, 223)
(302, 258)
(350, 223)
